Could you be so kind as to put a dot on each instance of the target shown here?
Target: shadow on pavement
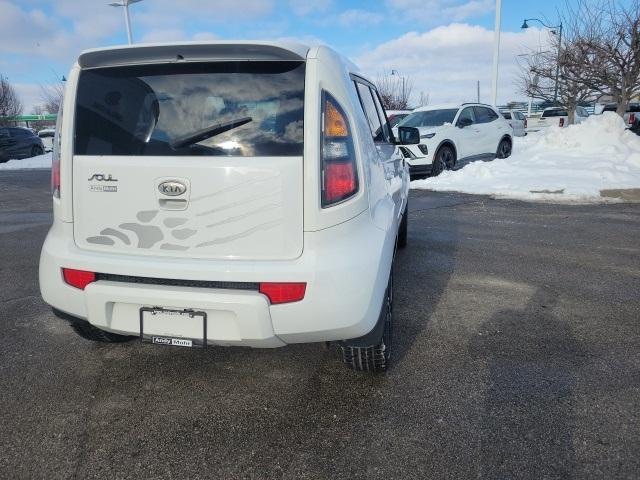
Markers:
(528, 408)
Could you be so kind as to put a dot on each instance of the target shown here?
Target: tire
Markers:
(374, 358)
(444, 159)
(36, 150)
(504, 148)
(404, 224)
(89, 332)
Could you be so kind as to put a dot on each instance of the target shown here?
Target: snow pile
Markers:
(559, 164)
(41, 161)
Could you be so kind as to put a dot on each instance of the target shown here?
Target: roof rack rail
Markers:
(476, 103)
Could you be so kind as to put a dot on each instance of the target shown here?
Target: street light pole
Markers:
(127, 20)
(555, 90)
(496, 52)
(559, 33)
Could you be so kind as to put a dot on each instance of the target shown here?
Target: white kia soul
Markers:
(226, 193)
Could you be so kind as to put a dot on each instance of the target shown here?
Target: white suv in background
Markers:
(226, 193)
(453, 133)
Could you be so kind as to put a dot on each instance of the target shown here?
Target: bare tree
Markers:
(423, 100)
(395, 91)
(10, 104)
(52, 96)
(606, 48)
(538, 80)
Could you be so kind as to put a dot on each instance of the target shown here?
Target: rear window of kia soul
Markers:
(216, 108)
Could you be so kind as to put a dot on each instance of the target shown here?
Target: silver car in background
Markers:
(517, 120)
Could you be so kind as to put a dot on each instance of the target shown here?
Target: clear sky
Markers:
(444, 46)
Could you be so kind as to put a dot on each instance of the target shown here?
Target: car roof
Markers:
(450, 106)
(440, 106)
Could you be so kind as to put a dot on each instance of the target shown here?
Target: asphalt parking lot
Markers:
(517, 355)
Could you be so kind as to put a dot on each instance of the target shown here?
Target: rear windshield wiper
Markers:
(208, 132)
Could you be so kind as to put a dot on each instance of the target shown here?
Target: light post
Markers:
(553, 30)
(125, 4)
(395, 72)
(496, 52)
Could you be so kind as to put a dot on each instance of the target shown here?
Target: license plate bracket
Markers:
(173, 340)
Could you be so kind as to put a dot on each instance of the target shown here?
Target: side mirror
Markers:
(464, 122)
(408, 136)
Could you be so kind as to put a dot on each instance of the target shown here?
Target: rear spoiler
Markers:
(191, 52)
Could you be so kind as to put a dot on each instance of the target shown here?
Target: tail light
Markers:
(78, 278)
(632, 118)
(339, 175)
(283, 292)
(561, 123)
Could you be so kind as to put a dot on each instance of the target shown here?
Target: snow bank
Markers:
(570, 164)
(41, 161)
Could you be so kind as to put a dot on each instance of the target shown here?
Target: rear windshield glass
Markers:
(223, 108)
(429, 118)
(554, 113)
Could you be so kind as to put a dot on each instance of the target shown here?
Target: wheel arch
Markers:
(506, 136)
(446, 142)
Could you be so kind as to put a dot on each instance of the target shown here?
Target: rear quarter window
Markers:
(256, 108)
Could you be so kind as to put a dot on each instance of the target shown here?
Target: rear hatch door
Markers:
(199, 160)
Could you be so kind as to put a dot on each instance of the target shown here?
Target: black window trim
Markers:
(364, 110)
(462, 110)
(372, 88)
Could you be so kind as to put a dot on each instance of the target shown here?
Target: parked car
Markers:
(517, 120)
(557, 116)
(395, 116)
(191, 208)
(47, 135)
(18, 142)
(630, 116)
(451, 133)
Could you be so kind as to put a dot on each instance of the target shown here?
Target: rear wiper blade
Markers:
(208, 132)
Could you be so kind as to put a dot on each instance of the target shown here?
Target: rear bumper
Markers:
(345, 287)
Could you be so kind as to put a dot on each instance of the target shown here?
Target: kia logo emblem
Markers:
(172, 188)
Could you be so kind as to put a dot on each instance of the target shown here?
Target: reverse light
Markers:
(78, 278)
(283, 292)
(339, 178)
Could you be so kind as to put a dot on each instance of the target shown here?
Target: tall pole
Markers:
(496, 52)
(127, 21)
(478, 92)
(555, 90)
